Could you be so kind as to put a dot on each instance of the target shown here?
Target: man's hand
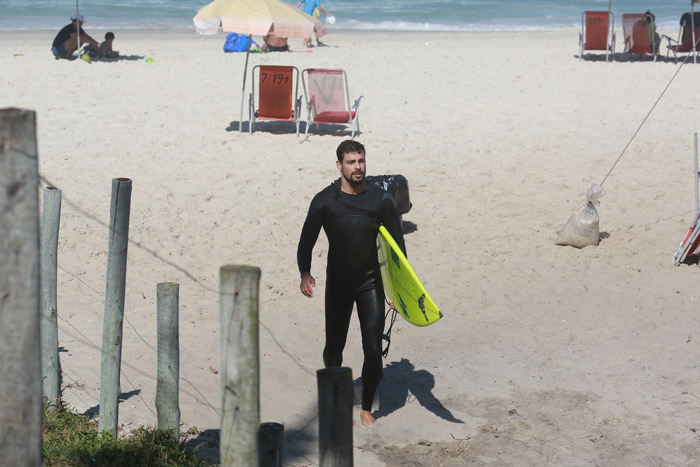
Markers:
(391, 305)
(307, 284)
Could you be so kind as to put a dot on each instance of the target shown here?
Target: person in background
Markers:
(313, 8)
(654, 37)
(274, 44)
(105, 50)
(66, 41)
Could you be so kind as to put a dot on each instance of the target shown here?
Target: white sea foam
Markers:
(390, 15)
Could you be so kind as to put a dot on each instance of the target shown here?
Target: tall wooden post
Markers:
(240, 379)
(114, 305)
(335, 397)
(20, 355)
(167, 389)
(50, 221)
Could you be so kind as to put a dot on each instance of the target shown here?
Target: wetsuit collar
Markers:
(338, 188)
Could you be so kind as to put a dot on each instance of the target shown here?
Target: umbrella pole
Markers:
(245, 73)
(692, 23)
(77, 12)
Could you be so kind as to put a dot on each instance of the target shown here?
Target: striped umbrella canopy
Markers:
(258, 17)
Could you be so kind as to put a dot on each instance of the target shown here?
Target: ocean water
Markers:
(409, 15)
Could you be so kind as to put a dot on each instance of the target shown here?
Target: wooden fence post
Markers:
(50, 221)
(240, 378)
(20, 354)
(114, 306)
(271, 438)
(335, 398)
(167, 390)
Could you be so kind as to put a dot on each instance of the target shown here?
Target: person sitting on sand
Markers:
(105, 50)
(274, 44)
(66, 41)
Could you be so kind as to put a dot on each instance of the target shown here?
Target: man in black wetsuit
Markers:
(350, 212)
(66, 41)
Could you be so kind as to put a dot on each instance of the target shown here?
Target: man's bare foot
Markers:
(366, 418)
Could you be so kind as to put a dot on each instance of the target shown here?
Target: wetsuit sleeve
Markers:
(391, 221)
(309, 234)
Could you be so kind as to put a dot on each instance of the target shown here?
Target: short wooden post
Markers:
(20, 354)
(240, 379)
(167, 389)
(50, 220)
(271, 438)
(335, 398)
(114, 305)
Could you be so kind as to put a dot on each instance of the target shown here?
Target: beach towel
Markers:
(236, 43)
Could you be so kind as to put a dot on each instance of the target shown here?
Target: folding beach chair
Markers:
(278, 95)
(597, 33)
(638, 30)
(687, 41)
(690, 243)
(328, 98)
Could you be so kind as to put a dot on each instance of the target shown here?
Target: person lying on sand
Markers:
(274, 44)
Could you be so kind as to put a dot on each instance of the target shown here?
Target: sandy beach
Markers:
(547, 355)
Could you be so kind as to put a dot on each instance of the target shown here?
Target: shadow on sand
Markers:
(94, 410)
(288, 128)
(402, 383)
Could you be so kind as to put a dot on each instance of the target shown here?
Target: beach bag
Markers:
(583, 227)
(236, 43)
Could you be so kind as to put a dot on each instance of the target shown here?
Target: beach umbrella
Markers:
(257, 17)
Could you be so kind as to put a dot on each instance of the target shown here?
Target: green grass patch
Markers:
(71, 439)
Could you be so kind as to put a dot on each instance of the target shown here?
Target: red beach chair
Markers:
(328, 98)
(597, 33)
(277, 97)
(636, 29)
(689, 244)
(691, 241)
(685, 42)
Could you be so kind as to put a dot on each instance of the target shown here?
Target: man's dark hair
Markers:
(348, 146)
(109, 35)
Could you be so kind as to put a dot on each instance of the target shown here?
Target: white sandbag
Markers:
(583, 227)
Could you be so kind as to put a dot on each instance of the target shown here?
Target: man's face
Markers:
(353, 168)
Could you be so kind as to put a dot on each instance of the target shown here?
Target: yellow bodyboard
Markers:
(401, 284)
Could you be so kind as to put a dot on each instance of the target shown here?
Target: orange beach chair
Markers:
(685, 44)
(278, 97)
(597, 33)
(637, 29)
(328, 98)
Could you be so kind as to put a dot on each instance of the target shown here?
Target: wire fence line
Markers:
(206, 288)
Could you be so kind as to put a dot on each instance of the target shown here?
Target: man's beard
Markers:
(355, 181)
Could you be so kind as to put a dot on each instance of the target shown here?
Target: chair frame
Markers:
(253, 114)
(609, 40)
(652, 44)
(353, 121)
(694, 36)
